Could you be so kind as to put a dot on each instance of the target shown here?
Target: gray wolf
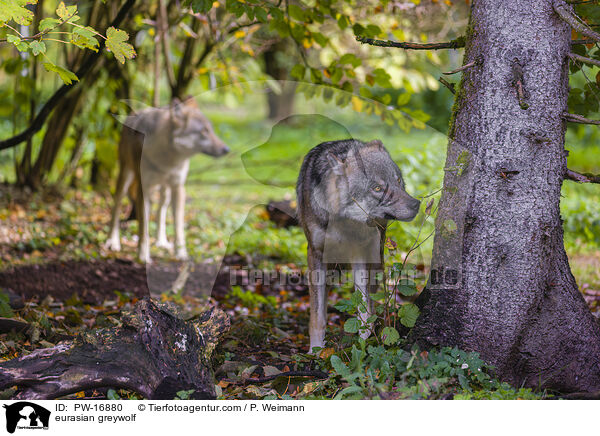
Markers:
(347, 192)
(154, 154)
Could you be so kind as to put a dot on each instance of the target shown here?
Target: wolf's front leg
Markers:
(165, 198)
(318, 298)
(123, 182)
(178, 192)
(360, 271)
(143, 206)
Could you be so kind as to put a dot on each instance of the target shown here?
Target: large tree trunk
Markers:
(501, 283)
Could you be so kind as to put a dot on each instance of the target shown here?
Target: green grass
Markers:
(226, 193)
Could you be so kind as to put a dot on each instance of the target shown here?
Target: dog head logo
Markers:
(26, 415)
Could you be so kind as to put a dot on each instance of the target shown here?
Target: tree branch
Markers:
(459, 69)
(163, 31)
(567, 15)
(582, 178)
(584, 60)
(574, 118)
(39, 120)
(316, 374)
(455, 43)
(447, 84)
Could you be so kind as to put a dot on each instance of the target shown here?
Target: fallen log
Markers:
(153, 353)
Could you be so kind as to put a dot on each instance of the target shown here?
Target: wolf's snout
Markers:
(414, 204)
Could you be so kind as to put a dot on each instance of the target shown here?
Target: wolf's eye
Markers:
(399, 180)
(377, 188)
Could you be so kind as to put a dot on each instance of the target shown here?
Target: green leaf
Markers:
(358, 30)
(201, 6)
(261, 15)
(372, 31)
(365, 92)
(67, 76)
(390, 336)
(338, 366)
(48, 23)
(344, 306)
(320, 38)
(403, 99)
(116, 43)
(298, 71)
(407, 289)
(296, 12)
(37, 47)
(316, 75)
(349, 58)
(382, 78)
(349, 391)
(84, 38)
(16, 10)
(5, 309)
(408, 314)
(18, 42)
(343, 22)
(352, 325)
(112, 395)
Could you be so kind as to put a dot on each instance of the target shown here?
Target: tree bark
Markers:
(154, 353)
(500, 282)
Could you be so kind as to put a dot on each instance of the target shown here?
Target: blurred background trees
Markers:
(189, 47)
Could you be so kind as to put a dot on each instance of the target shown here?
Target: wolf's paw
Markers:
(144, 256)
(182, 254)
(113, 244)
(163, 243)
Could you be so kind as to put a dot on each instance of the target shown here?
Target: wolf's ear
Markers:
(336, 164)
(190, 101)
(376, 143)
(177, 109)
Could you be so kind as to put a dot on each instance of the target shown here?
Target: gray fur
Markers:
(347, 191)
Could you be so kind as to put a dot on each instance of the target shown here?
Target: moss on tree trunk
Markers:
(501, 283)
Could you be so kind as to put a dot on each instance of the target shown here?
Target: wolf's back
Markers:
(315, 168)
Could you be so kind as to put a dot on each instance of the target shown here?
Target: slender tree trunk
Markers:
(500, 282)
(58, 125)
(280, 105)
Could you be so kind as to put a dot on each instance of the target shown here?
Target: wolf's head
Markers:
(369, 185)
(193, 132)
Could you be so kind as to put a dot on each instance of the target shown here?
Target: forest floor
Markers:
(59, 280)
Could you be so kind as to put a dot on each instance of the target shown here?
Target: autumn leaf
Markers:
(16, 10)
(67, 76)
(67, 12)
(116, 43)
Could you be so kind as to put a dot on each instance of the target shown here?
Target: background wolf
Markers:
(154, 153)
(347, 191)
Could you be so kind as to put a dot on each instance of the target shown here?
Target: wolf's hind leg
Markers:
(143, 207)
(318, 298)
(123, 182)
